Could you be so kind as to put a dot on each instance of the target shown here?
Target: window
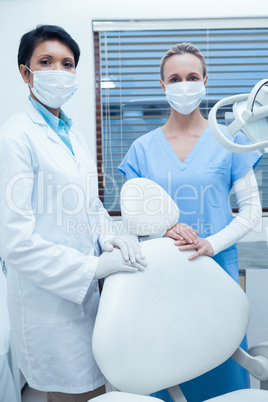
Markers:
(130, 101)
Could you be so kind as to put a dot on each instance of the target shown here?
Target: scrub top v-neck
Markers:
(174, 157)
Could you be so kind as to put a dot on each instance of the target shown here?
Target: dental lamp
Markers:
(251, 117)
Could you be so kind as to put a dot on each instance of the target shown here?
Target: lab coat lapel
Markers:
(37, 118)
(85, 164)
(54, 137)
(34, 115)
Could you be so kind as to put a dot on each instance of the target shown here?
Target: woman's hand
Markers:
(202, 246)
(182, 233)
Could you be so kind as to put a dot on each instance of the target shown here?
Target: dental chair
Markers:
(173, 321)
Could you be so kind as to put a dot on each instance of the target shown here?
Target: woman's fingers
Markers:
(174, 235)
(188, 247)
(182, 231)
(195, 255)
(203, 247)
(180, 242)
(188, 233)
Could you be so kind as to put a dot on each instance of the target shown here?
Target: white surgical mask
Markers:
(53, 88)
(185, 96)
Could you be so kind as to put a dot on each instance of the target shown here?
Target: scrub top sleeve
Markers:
(242, 163)
(130, 164)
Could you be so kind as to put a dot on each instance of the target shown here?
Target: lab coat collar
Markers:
(37, 118)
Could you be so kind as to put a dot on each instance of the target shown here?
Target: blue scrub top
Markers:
(200, 185)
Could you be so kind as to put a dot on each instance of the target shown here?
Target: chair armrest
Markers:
(261, 349)
(257, 365)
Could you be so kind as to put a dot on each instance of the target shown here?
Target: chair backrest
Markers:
(168, 324)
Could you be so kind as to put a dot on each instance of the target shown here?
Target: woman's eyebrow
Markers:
(174, 75)
(194, 73)
(45, 54)
(51, 57)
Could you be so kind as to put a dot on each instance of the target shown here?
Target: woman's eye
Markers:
(194, 78)
(45, 62)
(68, 64)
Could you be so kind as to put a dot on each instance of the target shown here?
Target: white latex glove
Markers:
(112, 262)
(129, 247)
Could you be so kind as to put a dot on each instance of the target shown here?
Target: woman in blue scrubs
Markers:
(185, 159)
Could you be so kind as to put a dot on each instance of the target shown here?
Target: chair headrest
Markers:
(147, 208)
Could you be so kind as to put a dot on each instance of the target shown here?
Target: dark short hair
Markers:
(30, 40)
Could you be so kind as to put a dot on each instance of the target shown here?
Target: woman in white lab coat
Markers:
(53, 227)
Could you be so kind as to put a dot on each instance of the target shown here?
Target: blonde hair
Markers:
(182, 48)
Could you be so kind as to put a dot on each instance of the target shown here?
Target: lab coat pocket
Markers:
(49, 308)
(217, 180)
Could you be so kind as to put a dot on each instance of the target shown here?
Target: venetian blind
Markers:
(132, 103)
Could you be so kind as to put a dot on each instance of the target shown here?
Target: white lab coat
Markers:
(52, 228)
(7, 386)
